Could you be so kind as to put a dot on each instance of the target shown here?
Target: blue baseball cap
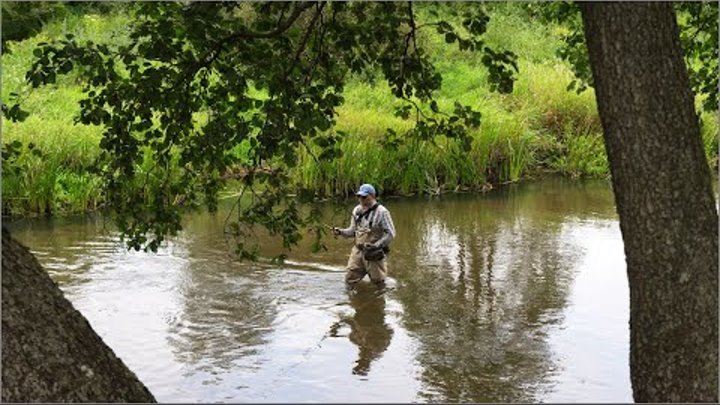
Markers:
(365, 189)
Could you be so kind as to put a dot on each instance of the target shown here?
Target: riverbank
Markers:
(539, 128)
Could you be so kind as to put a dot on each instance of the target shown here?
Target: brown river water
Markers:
(516, 295)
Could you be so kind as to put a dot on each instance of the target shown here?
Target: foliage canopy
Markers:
(698, 23)
(219, 90)
(199, 81)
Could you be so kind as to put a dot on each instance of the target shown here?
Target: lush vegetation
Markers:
(539, 127)
(53, 175)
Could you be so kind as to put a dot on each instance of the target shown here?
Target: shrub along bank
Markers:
(540, 127)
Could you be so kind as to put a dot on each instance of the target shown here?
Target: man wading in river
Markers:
(373, 229)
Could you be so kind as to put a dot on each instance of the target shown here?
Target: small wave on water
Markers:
(314, 266)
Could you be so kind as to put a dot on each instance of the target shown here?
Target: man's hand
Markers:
(336, 231)
(369, 246)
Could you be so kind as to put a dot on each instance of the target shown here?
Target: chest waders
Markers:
(366, 234)
(358, 263)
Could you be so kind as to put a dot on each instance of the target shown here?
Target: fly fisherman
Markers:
(373, 229)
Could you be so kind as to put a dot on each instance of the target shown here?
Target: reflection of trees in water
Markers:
(227, 308)
(220, 323)
(67, 247)
(482, 283)
(368, 329)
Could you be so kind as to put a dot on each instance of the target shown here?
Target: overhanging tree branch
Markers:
(281, 28)
(210, 56)
(306, 35)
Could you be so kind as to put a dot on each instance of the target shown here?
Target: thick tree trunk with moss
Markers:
(50, 353)
(664, 199)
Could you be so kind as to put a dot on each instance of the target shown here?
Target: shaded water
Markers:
(518, 295)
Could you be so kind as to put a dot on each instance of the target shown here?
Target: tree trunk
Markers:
(49, 351)
(664, 198)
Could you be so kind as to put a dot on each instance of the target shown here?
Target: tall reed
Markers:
(539, 127)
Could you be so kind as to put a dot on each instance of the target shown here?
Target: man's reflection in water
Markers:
(368, 330)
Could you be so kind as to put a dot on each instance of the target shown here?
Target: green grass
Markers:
(58, 181)
(709, 132)
(539, 127)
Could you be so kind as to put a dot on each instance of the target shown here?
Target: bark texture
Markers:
(50, 353)
(663, 192)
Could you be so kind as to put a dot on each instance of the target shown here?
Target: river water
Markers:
(516, 295)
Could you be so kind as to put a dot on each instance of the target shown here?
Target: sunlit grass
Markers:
(709, 131)
(539, 127)
(57, 181)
